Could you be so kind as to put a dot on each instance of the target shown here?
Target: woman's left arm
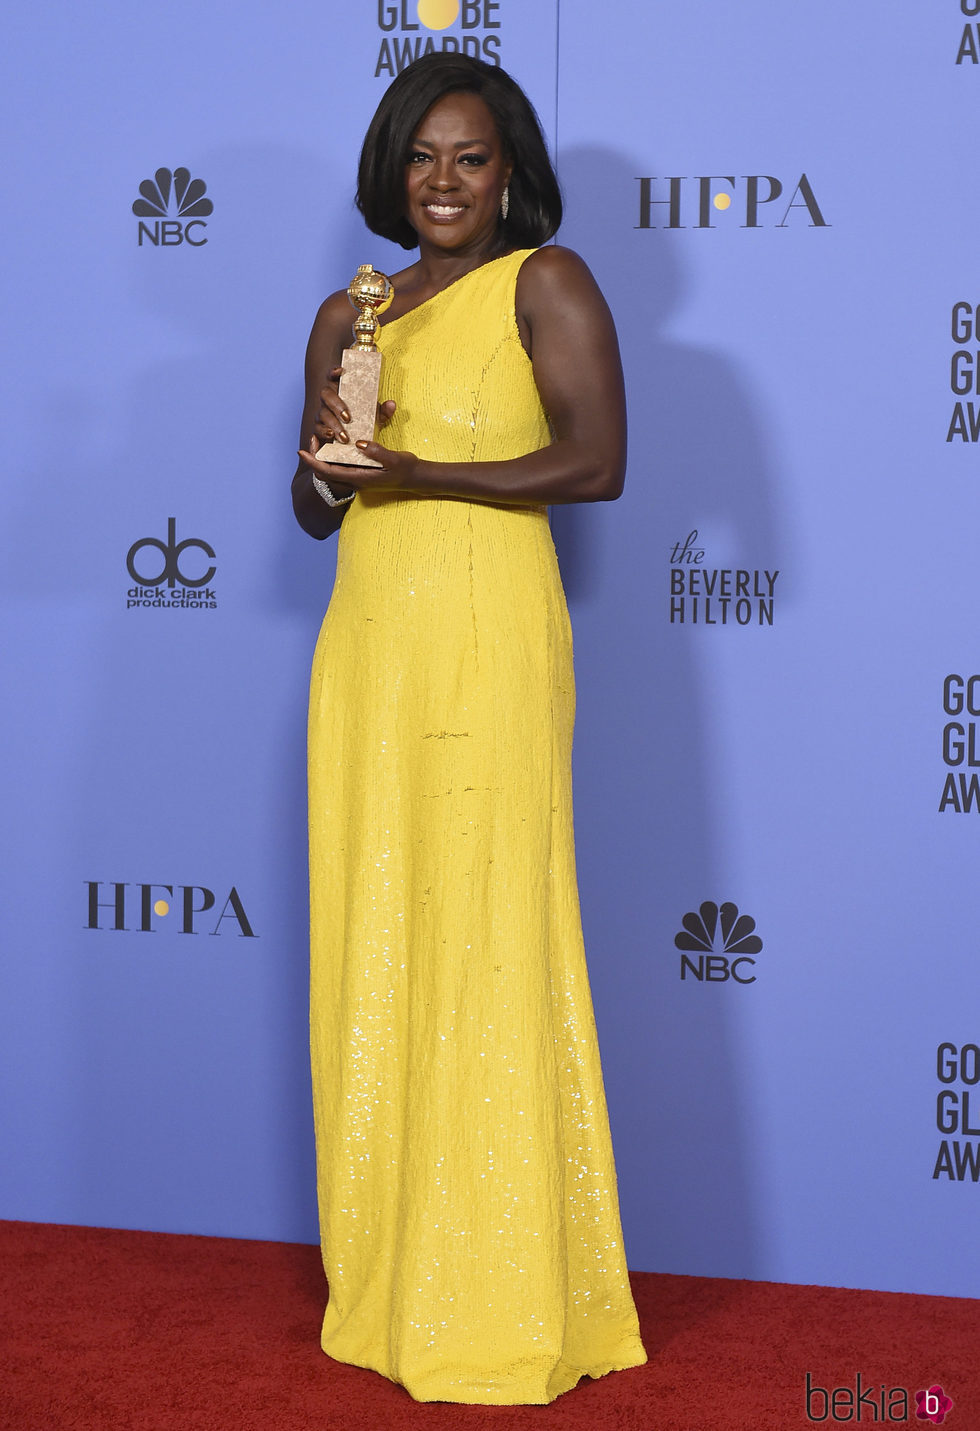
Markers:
(567, 326)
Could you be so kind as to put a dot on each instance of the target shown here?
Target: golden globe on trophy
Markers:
(371, 293)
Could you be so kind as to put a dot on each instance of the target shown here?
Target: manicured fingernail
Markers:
(345, 415)
(342, 436)
(362, 445)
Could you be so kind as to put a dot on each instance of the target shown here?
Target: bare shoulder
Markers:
(330, 334)
(332, 314)
(554, 265)
(405, 275)
(554, 274)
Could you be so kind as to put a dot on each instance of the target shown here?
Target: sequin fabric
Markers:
(469, 1216)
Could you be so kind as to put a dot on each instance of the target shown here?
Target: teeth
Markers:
(445, 208)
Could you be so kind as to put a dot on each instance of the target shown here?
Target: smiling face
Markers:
(455, 176)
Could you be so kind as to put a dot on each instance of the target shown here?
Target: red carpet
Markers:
(137, 1331)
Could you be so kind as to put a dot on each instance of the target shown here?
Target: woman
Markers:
(469, 1216)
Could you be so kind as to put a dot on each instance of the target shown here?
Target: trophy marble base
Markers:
(359, 384)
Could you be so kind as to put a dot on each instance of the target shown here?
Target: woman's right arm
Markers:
(329, 337)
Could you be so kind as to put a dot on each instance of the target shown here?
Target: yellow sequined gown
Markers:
(469, 1217)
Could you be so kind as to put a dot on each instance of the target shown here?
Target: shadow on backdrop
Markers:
(647, 824)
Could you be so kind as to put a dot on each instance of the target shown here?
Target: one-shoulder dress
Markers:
(469, 1217)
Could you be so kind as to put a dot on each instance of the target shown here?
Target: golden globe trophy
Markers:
(371, 293)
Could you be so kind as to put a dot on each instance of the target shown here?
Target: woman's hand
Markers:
(396, 473)
(328, 427)
(328, 424)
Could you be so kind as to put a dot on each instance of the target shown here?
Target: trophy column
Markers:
(371, 293)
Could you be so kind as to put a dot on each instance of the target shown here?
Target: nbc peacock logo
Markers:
(409, 28)
(711, 927)
(176, 204)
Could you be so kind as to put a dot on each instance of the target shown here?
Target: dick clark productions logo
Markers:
(176, 204)
(159, 570)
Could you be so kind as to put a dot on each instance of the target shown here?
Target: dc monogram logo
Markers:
(171, 551)
(178, 207)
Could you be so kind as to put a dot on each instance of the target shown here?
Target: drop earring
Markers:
(505, 203)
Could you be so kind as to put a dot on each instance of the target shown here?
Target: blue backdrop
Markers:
(775, 627)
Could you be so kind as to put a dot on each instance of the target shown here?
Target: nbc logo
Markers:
(176, 204)
(737, 937)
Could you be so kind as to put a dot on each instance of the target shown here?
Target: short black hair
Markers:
(534, 209)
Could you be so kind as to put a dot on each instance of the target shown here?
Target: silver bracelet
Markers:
(324, 490)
